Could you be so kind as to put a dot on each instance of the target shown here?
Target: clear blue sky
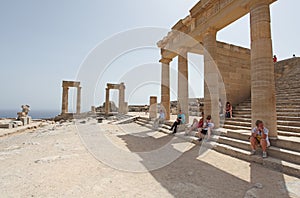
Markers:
(44, 42)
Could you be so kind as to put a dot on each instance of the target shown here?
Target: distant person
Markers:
(207, 128)
(228, 110)
(259, 135)
(161, 118)
(294, 56)
(196, 124)
(221, 107)
(146, 109)
(180, 120)
(275, 59)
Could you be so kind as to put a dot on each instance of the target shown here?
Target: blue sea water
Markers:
(35, 114)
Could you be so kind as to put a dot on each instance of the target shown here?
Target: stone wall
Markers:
(287, 66)
(234, 64)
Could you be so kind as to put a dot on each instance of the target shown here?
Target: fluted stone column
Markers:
(183, 85)
(78, 104)
(65, 98)
(262, 68)
(211, 77)
(122, 98)
(165, 86)
(107, 105)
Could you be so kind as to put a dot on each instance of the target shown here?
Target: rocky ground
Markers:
(71, 160)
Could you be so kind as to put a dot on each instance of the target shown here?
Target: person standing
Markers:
(228, 110)
(275, 59)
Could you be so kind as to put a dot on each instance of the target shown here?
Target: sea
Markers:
(35, 114)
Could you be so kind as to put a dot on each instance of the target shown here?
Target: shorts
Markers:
(204, 131)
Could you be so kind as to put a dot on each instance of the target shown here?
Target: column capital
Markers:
(255, 3)
(165, 60)
(183, 50)
(210, 31)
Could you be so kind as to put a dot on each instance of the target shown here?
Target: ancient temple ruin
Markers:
(122, 104)
(65, 96)
(240, 68)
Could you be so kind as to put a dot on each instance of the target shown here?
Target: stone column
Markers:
(65, 100)
(153, 107)
(165, 86)
(262, 68)
(183, 85)
(78, 104)
(211, 77)
(122, 98)
(107, 105)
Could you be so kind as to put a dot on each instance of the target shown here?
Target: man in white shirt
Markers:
(259, 135)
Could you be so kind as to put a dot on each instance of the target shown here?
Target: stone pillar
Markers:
(122, 98)
(262, 68)
(165, 86)
(107, 105)
(65, 99)
(183, 85)
(93, 109)
(211, 77)
(78, 104)
(153, 107)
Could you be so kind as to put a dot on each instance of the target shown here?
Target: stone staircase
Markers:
(284, 153)
(287, 99)
(232, 139)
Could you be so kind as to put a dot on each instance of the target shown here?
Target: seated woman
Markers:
(207, 127)
(180, 120)
(228, 110)
(196, 124)
(259, 135)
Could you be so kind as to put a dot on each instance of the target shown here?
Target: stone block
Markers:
(6, 126)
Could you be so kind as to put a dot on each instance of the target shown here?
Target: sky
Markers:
(45, 42)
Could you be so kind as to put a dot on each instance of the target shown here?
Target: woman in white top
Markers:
(259, 135)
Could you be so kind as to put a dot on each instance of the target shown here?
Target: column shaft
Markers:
(107, 105)
(211, 77)
(262, 68)
(121, 99)
(183, 85)
(165, 86)
(78, 103)
(65, 95)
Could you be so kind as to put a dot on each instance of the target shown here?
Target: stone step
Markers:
(247, 126)
(165, 129)
(270, 162)
(279, 110)
(286, 121)
(247, 123)
(279, 153)
(248, 113)
(289, 107)
(282, 141)
(289, 134)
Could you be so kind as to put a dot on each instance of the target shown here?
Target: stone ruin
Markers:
(23, 116)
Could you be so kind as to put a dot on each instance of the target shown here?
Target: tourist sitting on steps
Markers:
(180, 120)
(259, 135)
(160, 119)
(196, 125)
(228, 110)
(207, 128)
